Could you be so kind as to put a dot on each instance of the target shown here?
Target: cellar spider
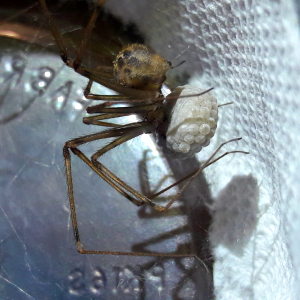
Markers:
(137, 75)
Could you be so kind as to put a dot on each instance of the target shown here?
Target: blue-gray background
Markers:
(41, 106)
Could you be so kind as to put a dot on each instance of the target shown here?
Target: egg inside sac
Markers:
(192, 121)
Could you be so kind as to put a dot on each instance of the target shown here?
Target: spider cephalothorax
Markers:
(138, 66)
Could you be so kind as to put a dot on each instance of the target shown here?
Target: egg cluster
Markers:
(193, 121)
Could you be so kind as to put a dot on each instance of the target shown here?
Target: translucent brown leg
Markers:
(113, 112)
(63, 51)
(73, 210)
(114, 99)
(101, 77)
(125, 110)
(87, 34)
(96, 120)
(134, 95)
(119, 185)
(115, 132)
(193, 173)
(228, 103)
(206, 164)
(73, 144)
(88, 95)
(112, 180)
(108, 112)
(141, 197)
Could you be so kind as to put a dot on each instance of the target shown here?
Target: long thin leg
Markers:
(74, 217)
(97, 76)
(141, 197)
(126, 133)
(129, 109)
(106, 172)
(87, 34)
(111, 179)
(199, 171)
(67, 157)
(88, 95)
(193, 173)
(114, 112)
(77, 152)
(134, 95)
(73, 209)
(115, 132)
(122, 185)
(62, 49)
(96, 120)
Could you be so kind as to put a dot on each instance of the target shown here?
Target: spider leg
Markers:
(145, 178)
(133, 95)
(105, 78)
(143, 95)
(193, 173)
(87, 34)
(139, 109)
(96, 120)
(109, 177)
(191, 176)
(57, 36)
(114, 112)
(88, 95)
(73, 144)
(112, 177)
(115, 132)
(73, 209)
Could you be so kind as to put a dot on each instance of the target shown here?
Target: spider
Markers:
(137, 74)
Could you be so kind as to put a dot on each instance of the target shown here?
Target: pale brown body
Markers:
(137, 74)
(138, 66)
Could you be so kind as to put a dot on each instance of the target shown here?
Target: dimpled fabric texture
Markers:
(249, 51)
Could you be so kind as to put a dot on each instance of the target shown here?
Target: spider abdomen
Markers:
(138, 66)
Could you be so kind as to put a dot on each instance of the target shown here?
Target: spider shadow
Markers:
(235, 214)
(193, 204)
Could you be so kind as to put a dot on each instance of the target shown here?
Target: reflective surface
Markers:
(42, 105)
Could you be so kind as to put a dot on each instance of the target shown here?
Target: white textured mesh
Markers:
(250, 52)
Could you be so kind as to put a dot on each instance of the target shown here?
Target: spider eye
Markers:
(120, 62)
(126, 54)
(169, 63)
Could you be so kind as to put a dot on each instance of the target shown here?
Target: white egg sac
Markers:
(192, 121)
